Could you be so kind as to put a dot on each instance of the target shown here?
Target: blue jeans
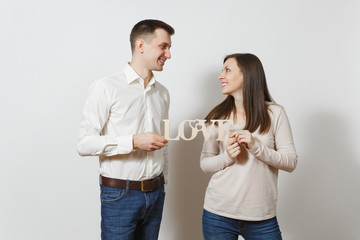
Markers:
(130, 214)
(216, 227)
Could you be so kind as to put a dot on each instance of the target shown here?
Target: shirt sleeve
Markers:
(284, 155)
(211, 159)
(95, 115)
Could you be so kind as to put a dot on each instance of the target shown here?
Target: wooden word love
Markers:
(196, 126)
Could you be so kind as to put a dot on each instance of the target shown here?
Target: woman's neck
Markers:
(239, 103)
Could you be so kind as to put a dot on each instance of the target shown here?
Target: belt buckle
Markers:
(143, 188)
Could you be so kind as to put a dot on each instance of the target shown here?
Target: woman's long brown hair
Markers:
(255, 95)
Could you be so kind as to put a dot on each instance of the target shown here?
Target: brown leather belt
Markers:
(144, 186)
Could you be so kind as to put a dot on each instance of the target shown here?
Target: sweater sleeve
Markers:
(212, 159)
(284, 155)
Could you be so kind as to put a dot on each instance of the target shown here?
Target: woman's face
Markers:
(231, 78)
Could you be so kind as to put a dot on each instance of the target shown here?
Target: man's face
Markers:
(157, 50)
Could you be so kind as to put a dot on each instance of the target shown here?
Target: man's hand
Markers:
(148, 141)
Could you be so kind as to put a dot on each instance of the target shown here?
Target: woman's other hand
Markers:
(244, 137)
(233, 147)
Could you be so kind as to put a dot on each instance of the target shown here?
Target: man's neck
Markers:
(142, 71)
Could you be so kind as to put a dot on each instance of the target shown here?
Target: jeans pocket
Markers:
(109, 194)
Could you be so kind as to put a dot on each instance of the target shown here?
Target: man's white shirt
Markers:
(116, 108)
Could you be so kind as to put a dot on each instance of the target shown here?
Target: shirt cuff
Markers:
(125, 144)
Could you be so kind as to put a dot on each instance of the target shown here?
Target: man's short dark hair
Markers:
(148, 26)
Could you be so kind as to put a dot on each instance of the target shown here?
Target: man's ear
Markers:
(139, 44)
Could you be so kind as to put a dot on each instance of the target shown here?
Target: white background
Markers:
(51, 51)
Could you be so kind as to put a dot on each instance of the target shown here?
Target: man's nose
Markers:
(168, 54)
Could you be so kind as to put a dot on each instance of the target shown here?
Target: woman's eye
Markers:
(227, 70)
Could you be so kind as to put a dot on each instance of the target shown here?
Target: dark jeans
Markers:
(216, 227)
(130, 214)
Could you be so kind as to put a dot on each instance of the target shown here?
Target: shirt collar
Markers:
(132, 76)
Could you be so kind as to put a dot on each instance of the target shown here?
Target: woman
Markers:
(242, 193)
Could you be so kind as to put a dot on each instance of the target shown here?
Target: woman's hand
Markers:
(244, 137)
(233, 147)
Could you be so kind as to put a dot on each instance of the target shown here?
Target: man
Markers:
(122, 124)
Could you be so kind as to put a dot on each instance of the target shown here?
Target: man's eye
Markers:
(227, 70)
